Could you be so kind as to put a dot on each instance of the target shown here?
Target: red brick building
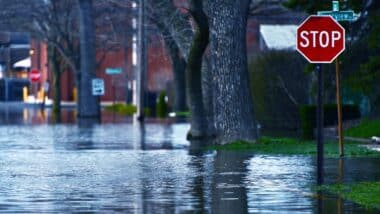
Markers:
(159, 63)
(159, 71)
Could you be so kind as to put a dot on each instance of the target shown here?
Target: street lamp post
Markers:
(141, 71)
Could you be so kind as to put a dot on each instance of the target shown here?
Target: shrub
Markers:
(274, 78)
(147, 112)
(122, 109)
(162, 107)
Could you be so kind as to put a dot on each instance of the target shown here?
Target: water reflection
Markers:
(347, 170)
(87, 123)
(151, 168)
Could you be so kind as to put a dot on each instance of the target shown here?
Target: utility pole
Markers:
(141, 68)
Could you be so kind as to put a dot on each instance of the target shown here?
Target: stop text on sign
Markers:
(320, 39)
(323, 39)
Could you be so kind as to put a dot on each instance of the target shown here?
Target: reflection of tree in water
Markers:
(229, 194)
(197, 163)
(158, 188)
(86, 130)
(163, 133)
(168, 132)
(56, 117)
(75, 138)
(218, 184)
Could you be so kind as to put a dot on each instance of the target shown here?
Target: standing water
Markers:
(129, 168)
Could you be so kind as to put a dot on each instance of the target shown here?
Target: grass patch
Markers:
(183, 114)
(366, 129)
(290, 146)
(366, 194)
(123, 109)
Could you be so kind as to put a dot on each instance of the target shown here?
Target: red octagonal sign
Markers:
(35, 75)
(320, 39)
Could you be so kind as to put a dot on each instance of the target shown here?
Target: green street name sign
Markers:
(347, 15)
(113, 71)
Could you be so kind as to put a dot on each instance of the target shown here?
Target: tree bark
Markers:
(198, 122)
(208, 95)
(234, 115)
(88, 105)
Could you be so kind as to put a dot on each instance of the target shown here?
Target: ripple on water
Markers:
(124, 168)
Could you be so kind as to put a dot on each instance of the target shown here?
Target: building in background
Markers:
(15, 64)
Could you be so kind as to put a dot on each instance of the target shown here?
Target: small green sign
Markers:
(347, 15)
(112, 71)
(335, 5)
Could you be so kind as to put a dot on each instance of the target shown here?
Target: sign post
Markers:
(348, 15)
(320, 120)
(320, 39)
(339, 108)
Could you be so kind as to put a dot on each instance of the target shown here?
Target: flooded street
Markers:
(124, 167)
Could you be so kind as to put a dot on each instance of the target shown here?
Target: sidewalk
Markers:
(331, 133)
(64, 104)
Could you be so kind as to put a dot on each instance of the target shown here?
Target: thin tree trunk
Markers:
(179, 70)
(56, 70)
(57, 92)
(198, 127)
(234, 115)
(88, 105)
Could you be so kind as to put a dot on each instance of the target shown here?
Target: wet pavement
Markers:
(128, 168)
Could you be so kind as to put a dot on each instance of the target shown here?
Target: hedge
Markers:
(308, 117)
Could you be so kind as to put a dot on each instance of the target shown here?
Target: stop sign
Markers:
(320, 39)
(35, 75)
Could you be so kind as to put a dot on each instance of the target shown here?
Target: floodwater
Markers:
(129, 168)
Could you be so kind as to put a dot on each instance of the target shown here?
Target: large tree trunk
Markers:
(88, 105)
(198, 127)
(234, 116)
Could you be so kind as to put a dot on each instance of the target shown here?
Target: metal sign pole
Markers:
(320, 120)
(113, 98)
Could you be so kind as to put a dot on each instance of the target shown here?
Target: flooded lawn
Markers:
(130, 168)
